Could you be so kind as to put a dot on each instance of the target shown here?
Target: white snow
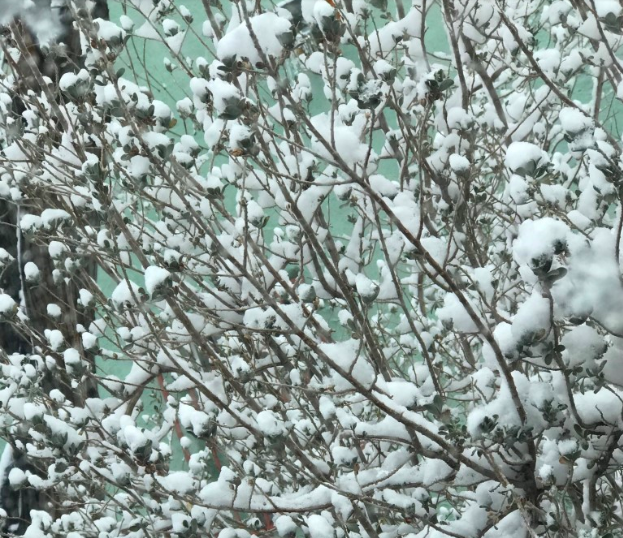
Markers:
(17, 477)
(29, 223)
(55, 338)
(125, 294)
(155, 277)
(454, 311)
(545, 472)
(270, 424)
(458, 163)
(54, 311)
(343, 455)
(574, 120)
(7, 305)
(86, 297)
(177, 482)
(57, 249)
(73, 80)
(222, 91)
(109, 31)
(537, 238)
(319, 527)
(43, 21)
(366, 288)
(126, 23)
(238, 43)
(348, 144)
(285, 525)
(31, 272)
(532, 318)
(524, 155)
(347, 356)
(5, 461)
(604, 7)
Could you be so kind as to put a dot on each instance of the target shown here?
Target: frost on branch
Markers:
(354, 281)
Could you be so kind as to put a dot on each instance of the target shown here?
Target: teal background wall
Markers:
(144, 63)
(146, 60)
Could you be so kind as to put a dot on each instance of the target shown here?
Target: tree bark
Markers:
(34, 64)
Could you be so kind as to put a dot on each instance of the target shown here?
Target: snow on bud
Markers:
(238, 43)
(367, 289)
(574, 121)
(348, 143)
(539, 240)
(383, 186)
(546, 473)
(121, 473)
(156, 279)
(126, 23)
(385, 70)
(134, 438)
(347, 356)
(17, 477)
(255, 214)
(8, 307)
(180, 523)
(343, 191)
(184, 107)
(57, 249)
(224, 93)
(532, 321)
(75, 84)
(344, 456)
(159, 143)
(110, 33)
(31, 273)
(459, 164)
(54, 311)
(52, 218)
(307, 293)
(459, 119)
(567, 447)
(523, 158)
(579, 128)
(30, 223)
(89, 341)
(125, 295)
(55, 338)
(240, 137)
(207, 30)
(327, 407)
(454, 315)
(57, 396)
(270, 424)
(5, 258)
(72, 359)
(170, 27)
(319, 527)
(285, 526)
(85, 297)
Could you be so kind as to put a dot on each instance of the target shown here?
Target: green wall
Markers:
(146, 61)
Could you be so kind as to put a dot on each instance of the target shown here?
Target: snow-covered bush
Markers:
(366, 283)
